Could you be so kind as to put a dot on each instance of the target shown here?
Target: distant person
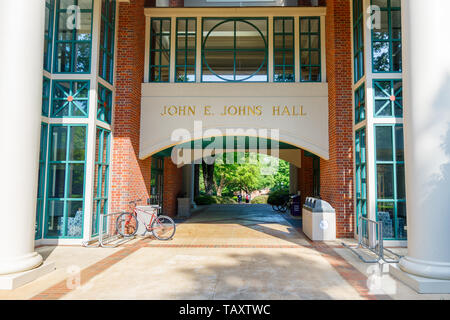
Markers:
(247, 199)
(239, 198)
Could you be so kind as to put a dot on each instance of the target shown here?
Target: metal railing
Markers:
(370, 237)
(108, 238)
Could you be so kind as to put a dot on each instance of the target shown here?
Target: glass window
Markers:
(360, 104)
(387, 40)
(48, 33)
(101, 181)
(360, 174)
(388, 96)
(65, 187)
(239, 3)
(283, 47)
(160, 49)
(106, 64)
(41, 182)
(390, 167)
(186, 49)
(104, 104)
(45, 96)
(234, 49)
(70, 98)
(73, 36)
(310, 55)
(358, 39)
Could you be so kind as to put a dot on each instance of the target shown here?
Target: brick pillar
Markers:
(336, 175)
(305, 177)
(173, 184)
(130, 176)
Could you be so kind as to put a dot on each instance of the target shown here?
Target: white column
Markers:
(427, 138)
(21, 61)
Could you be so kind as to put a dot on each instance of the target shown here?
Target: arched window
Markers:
(234, 49)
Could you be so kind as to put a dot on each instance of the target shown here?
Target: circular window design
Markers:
(234, 50)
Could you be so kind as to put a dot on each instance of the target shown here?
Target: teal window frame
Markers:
(107, 41)
(397, 161)
(283, 50)
(101, 180)
(393, 98)
(391, 41)
(157, 178)
(104, 104)
(160, 51)
(65, 199)
(235, 50)
(48, 33)
(46, 86)
(186, 50)
(73, 42)
(358, 40)
(309, 66)
(360, 174)
(360, 104)
(79, 95)
(41, 181)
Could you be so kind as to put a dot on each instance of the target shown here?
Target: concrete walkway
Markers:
(224, 252)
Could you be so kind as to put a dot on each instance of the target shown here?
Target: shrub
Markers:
(278, 197)
(225, 200)
(260, 199)
(203, 200)
(206, 200)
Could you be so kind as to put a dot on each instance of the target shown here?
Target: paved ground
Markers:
(224, 252)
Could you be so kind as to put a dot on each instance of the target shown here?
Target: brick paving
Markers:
(350, 274)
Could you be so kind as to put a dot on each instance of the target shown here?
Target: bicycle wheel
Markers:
(127, 224)
(283, 208)
(163, 228)
(275, 207)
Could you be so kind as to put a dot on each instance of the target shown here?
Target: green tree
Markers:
(281, 177)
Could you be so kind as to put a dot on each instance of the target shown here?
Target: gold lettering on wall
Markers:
(241, 111)
(233, 111)
(289, 111)
(184, 111)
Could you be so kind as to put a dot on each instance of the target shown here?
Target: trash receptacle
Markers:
(319, 220)
(296, 206)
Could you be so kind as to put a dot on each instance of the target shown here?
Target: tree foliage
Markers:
(247, 177)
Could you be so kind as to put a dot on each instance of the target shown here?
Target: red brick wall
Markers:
(130, 176)
(173, 183)
(305, 177)
(336, 175)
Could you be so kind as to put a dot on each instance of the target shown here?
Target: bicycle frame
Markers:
(148, 227)
(135, 213)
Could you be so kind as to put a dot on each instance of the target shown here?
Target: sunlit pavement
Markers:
(223, 252)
